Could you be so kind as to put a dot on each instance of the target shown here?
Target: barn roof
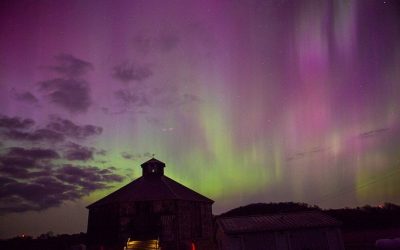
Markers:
(148, 189)
(153, 161)
(276, 222)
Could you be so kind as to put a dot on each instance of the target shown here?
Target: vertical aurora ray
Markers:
(253, 119)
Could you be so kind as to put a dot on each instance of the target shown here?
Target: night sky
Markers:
(245, 101)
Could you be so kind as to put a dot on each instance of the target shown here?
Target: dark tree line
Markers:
(44, 242)
(269, 208)
(383, 216)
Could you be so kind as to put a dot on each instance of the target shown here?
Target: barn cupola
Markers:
(153, 168)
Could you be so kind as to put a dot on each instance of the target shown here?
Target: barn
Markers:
(291, 231)
(153, 209)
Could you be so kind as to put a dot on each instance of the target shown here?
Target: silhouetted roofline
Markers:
(153, 160)
(163, 188)
(152, 185)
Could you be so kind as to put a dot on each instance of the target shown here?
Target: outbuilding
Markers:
(290, 231)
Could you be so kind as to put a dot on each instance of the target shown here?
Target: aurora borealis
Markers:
(245, 101)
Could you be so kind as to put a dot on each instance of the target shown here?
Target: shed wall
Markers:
(310, 239)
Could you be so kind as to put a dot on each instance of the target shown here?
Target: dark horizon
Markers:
(277, 208)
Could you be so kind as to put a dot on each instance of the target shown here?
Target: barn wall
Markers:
(207, 225)
(195, 220)
(181, 221)
(162, 213)
(103, 225)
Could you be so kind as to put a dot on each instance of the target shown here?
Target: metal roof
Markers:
(276, 222)
(147, 189)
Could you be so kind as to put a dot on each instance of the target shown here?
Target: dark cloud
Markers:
(303, 154)
(51, 188)
(71, 66)
(127, 72)
(33, 179)
(33, 153)
(21, 168)
(14, 167)
(35, 136)
(101, 162)
(70, 129)
(56, 131)
(41, 193)
(131, 98)
(76, 152)
(169, 97)
(71, 94)
(16, 161)
(69, 91)
(101, 152)
(89, 178)
(5, 180)
(19, 162)
(27, 97)
(136, 156)
(127, 155)
(164, 97)
(374, 132)
(15, 122)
